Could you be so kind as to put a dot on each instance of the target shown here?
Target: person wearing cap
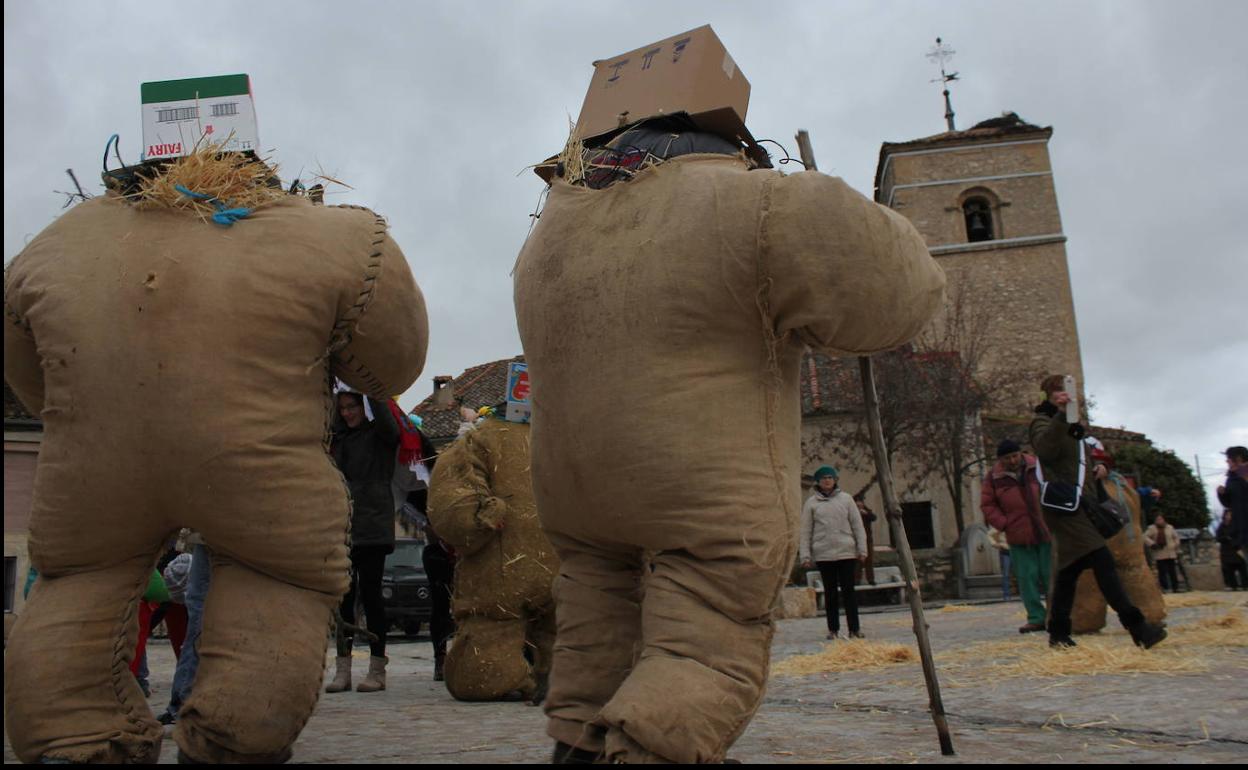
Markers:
(1062, 460)
(1234, 493)
(832, 538)
(1010, 500)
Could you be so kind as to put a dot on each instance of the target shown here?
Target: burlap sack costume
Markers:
(1138, 581)
(182, 370)
(481, 502)
(663, 321)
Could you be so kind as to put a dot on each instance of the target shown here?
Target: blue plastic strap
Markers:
(223, 216)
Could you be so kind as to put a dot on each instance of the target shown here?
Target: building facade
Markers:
(985, 202)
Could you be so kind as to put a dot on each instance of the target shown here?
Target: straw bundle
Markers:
(231, 178)
(854, 655)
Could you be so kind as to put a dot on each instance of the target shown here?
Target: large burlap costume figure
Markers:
(182, 370)
(663, 320)
(1138, 581)
(481, 502)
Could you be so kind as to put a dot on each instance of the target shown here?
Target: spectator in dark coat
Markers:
(364, 451)
(1063, 459)
(1234, 494)
(1234, 570)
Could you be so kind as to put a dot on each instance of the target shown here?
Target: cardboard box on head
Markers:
(178, 114)
(691, 72)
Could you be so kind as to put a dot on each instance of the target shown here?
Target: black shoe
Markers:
(570, 755)
(167, 718)
(1147, 635)
(1062, 642)
(856, 635)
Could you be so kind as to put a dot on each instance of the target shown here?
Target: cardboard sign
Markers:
(178, 114)
(519, 408)
(691, 72)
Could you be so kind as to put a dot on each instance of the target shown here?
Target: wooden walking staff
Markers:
(893, 515)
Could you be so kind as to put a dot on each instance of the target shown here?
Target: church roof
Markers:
(1008, 125)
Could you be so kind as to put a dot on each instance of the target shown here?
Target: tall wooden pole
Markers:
(892, 512)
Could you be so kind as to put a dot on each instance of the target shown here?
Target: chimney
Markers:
(443, 394)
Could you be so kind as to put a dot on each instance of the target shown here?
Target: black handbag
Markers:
(1109, 517)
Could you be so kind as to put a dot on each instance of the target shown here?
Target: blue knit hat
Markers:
(826, 470)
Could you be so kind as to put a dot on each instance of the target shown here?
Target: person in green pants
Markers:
(1010, 500)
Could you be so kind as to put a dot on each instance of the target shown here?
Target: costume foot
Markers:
(1030, 628)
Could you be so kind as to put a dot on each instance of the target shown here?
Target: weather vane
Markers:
(941, 54)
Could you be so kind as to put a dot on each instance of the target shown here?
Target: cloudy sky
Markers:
(431, 111)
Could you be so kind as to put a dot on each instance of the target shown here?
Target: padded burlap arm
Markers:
(382, 333)
(22, 369)
(845, 274)
(462, 508)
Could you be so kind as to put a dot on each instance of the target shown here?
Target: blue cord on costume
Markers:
(223, 215)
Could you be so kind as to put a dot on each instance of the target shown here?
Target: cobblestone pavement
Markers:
(866, 716)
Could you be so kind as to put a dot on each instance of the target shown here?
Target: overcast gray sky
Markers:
(430, 110)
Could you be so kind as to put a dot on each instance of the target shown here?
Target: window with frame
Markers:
(224, 109)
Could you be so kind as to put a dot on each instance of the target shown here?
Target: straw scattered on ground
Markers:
(958, 608)
(853, 655)
(1200, 599)
(1185, 651)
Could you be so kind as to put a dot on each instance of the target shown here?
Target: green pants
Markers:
(1031, 570)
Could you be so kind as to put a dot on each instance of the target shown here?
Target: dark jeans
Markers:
(368, 564)
(1234, 572)
(1102, 563)
(1167, 574)
(188, 662)
(441, 572)
(839, 573)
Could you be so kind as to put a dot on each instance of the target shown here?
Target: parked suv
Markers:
(405, 587)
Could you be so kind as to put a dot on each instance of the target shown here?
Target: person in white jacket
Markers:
(833, 539)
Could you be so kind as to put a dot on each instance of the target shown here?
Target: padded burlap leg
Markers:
(1142, 588)
(707, 631)
(1088, 614)
(261, 661)
(68, 690)
(486, 660)
(598, 615)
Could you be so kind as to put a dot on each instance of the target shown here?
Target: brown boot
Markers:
(342, 676)
(375, 681)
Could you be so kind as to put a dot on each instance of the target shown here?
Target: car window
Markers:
(406, 555)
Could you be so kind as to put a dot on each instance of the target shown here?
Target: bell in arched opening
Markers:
(978, 216)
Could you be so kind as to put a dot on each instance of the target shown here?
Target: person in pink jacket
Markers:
(1010, 500)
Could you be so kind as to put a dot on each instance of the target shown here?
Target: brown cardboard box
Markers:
(690, 72)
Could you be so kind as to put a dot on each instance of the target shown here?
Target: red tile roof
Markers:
(478, 386)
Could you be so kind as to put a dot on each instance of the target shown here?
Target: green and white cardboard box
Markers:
(178, 113)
